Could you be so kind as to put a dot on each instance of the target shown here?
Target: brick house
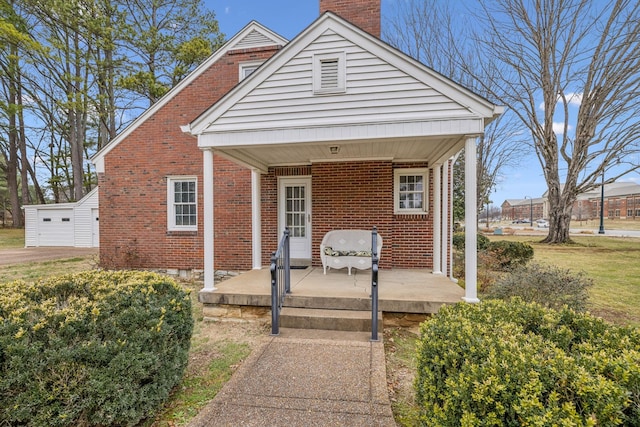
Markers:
(331, 130)
(521, 209)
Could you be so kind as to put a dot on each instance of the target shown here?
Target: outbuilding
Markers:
(64, 224)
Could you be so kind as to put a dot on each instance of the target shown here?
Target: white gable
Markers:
(257, 37)
(376, 91)
(387, 95)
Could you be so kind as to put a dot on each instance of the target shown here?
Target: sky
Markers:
(289, 17)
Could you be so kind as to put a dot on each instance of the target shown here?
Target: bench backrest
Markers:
(359, 240)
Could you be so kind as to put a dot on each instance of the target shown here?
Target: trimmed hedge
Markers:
(512, 363)
(95, 348)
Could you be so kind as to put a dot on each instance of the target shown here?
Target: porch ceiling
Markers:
(261, 157)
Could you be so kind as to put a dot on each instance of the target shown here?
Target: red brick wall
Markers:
(133, 189)
(363, 13)
(354, 195)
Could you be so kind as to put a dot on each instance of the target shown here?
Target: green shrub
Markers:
(550, 286)
(513, 363)
(95, 348)
(458, 241)
(503, 255)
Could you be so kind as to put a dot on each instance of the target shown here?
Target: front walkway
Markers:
(293, 380)
(399, 290)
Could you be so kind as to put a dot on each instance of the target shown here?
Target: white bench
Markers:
(347, 248)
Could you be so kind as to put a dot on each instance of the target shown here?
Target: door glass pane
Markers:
(295, 211)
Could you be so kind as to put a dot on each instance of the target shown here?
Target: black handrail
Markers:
(374, 284)
(280, 280)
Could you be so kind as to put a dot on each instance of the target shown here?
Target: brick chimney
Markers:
(362, 13)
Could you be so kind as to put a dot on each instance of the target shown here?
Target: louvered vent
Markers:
(329, 74)
(254, 39)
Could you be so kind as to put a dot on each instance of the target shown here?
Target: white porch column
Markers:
(256, 221)
(209, 272)
(446, 226)
(470, 222)
(437, 219)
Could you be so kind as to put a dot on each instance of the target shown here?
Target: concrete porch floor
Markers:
(399, 290)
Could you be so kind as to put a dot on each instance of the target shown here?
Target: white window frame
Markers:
(318, 60)
(397, 173)
(245, 66)
(171, 203)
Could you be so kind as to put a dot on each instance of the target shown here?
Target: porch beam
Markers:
(437, 218)
(470, 222)
(256, 220)
(446, 224)
(208, 227)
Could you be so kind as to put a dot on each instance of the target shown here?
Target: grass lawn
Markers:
(612, 262)
(11, 238)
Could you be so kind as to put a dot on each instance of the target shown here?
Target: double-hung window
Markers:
(182, 196)
(410, 190)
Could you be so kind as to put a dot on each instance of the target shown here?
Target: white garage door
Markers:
(55, 227)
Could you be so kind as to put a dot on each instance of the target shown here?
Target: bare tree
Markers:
(427, 31)
(549, 55)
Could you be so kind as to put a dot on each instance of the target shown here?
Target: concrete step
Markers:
(328, 303)
(334, 320)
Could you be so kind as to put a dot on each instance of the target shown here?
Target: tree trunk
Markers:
(22, 139)
(559, 222)
(12, 164)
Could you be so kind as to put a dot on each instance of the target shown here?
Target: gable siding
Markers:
(376, 92)
(133, 187)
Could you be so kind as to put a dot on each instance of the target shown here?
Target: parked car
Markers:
(542, 223)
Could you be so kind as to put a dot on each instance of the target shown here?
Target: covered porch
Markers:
(408, 291)
(363, 136)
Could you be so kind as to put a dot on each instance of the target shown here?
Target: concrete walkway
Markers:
(306, 378)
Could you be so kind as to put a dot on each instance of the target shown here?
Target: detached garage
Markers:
(64, 224)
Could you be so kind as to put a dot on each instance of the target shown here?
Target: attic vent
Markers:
(329, 73)
(254, 39)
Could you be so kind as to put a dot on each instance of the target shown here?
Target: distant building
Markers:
(524, 209)
(621, 201)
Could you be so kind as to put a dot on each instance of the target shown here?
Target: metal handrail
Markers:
(374, 284)
(280, 280)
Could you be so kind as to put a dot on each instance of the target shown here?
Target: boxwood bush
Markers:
(515, 363)
(95, 348)
(458, 241)
(503, 255)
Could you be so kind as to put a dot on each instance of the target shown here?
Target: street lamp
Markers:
(530, 209)
(601, 230)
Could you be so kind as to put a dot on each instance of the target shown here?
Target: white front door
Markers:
(294, 211)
